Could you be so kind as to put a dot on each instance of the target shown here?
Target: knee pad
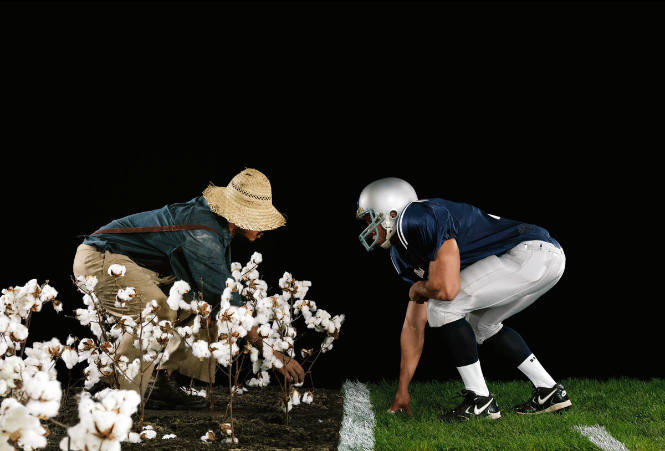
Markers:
(458, 336)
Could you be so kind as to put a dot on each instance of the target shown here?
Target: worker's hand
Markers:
(402, 403)
(413, 294)
(290, 368)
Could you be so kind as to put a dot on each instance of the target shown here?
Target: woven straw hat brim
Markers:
(248, 215)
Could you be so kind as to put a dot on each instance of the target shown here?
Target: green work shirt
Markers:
(200, 257)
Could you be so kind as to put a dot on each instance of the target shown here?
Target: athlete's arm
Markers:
(444, 282)
(411, 342)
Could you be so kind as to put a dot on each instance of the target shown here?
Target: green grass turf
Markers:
(632, 411)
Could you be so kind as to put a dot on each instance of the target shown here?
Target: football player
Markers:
(469, 271)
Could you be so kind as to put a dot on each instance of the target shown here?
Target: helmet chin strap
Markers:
(389, 234)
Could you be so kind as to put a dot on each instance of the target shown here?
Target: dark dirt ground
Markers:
(259, 423)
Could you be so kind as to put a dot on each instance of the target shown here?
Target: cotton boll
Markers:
(168, 436)
(307, 397)
(196, 325)
(295, 397)
(4, 388)
(4, 323)
(84, 316)
(43, 409)
(104, 424)
(126, 294)
(86, 349)
(261, 380)
(90, 282)
(48, 293)
(96, 329)
(256, 258)
(91, 373)
(231, 440)
(150, 308)
(148, 434)
(132, 369)
(226, 428)
(117, 270)
(70, 357)
(254, 354)
(200, 349)
(208, 437)
(264, 330)
(17, 422)
(18, 332)
(286, 280)
(133, 437)
(276, 363)
(179, 288)
(327, 344)
(227, 294)
(239, 390)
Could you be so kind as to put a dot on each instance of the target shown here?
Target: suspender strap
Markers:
(169, 228)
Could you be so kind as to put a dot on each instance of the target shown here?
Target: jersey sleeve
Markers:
(423, 228)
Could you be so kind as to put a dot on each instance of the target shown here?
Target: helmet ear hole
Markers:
(393, 214)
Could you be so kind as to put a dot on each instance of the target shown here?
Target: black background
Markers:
(549, 115)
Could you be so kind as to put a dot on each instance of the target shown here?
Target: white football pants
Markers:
(497, 287)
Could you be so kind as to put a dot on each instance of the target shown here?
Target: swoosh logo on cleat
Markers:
(477, 411)
(542, 401)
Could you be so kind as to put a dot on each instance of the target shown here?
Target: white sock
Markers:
(532, 369)
(473, 379)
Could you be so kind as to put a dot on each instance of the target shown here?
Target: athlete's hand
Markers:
(401, 403)
(414, 295)
(290, 368)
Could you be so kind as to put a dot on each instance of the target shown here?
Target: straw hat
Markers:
(246, 202)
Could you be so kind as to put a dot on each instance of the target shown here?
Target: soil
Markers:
(259, 424)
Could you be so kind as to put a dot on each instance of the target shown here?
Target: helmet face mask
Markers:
(375, 220)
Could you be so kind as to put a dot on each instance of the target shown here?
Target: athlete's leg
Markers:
(506, 342)
(461, 341)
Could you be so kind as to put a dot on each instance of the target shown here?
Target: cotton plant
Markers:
(223, 341)
(275, 318)
(35, 396)
(150, 336)
(105, 420)
(17, 304)
(28, 381)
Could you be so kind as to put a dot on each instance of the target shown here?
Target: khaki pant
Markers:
(90, 261)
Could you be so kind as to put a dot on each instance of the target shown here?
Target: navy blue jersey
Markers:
(424, 225)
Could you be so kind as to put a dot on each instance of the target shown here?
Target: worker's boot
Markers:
(168, 395)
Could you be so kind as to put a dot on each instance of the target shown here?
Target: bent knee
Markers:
(485, 331)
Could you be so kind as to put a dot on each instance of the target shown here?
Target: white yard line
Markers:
(357, 431)
(599, 436)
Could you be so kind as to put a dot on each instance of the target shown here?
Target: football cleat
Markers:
(474, 406)
(545, 400)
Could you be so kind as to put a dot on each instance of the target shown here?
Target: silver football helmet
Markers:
(383, 200)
